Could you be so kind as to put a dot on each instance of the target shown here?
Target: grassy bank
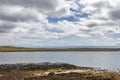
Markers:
(22, 49)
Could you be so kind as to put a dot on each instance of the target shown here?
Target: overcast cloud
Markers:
(50, 22)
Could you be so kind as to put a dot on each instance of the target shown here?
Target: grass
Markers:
(22, 49)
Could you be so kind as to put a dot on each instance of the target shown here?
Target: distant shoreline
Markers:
(23, 49)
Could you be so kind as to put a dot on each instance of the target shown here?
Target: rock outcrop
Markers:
(32, 66)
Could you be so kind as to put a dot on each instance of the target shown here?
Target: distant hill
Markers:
(78, 47)
(23, 49)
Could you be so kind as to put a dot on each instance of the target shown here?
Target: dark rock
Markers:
(32, 66)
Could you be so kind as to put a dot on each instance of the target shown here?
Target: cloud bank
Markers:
(29, 22)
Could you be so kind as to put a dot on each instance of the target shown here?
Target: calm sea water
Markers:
(106, 60)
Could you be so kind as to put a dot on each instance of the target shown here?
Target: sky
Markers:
(43, 23)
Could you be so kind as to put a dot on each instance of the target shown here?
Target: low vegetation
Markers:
(22, 49)
(54, 71)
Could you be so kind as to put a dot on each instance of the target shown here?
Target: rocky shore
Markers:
(32, 66)
(53, 71)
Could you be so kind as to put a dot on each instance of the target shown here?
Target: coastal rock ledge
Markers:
(32, 66)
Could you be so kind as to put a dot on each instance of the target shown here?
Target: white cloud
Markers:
(27, 19)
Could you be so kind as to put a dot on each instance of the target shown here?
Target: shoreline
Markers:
(24, 49)
(54, 71)
(67, 51)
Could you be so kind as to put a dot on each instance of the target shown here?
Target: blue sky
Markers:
(47, 23)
